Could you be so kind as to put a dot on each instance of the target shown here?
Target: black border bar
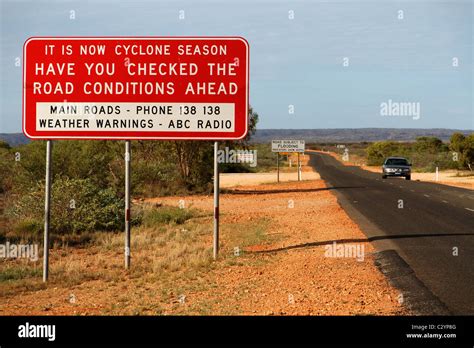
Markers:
(165, 330)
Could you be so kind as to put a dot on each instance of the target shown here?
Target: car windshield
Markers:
(396, 162)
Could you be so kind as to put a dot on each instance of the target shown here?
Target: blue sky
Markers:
(295, 61)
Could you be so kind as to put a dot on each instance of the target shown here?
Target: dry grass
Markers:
(168, 259)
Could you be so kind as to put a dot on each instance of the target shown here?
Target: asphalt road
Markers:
(434, 221)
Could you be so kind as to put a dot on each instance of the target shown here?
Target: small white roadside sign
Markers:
(288, 145)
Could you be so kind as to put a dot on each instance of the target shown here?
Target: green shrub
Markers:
(167, 215)
(7, 161)
(430, 145)
(77, 205)
(29, 228)
(15, 273)
(425, 154)
(378, 151)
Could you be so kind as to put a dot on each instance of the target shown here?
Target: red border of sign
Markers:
(134, 37)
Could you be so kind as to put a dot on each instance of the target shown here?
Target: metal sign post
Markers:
(278, 167)
(47, 205)
(299, 167)
(128, 156)
(216, 202)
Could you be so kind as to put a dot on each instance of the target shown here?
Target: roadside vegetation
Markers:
(88, 183)
(426, 153)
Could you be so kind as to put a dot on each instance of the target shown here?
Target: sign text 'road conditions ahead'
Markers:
(135, 88)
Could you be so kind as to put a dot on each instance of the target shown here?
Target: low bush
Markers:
(167, 215)
(77, 205)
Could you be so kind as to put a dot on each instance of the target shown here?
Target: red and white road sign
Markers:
(135, 88)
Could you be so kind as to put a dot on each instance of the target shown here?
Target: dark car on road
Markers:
(396, 166)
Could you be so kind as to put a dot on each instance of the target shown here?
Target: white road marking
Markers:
(445, 201)
(426, 195)
(400, 186)
(470, 209)
(412, 190)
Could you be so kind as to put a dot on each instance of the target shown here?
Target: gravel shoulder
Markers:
(292, 274)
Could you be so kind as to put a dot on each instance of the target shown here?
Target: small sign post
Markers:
(278, 167)
(299, 167)
(287, 146)
(47, 213)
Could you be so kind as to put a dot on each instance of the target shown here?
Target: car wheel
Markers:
(408, 177)
(384, 177)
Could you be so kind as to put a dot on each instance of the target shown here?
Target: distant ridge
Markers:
(340, 135)
(14, 139)
(348, 135)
